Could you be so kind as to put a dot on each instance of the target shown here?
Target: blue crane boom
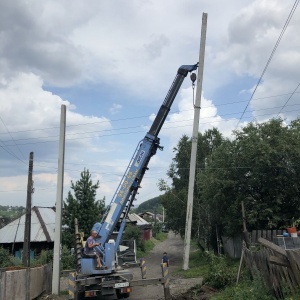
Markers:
(128, 187)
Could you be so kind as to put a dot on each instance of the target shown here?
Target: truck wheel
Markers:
(79, 296)
(121, 296)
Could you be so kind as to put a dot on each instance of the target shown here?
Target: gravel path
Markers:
(174, 247)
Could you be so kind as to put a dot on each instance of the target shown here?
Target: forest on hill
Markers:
(153, 205)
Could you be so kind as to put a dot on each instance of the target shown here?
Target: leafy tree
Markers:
(82, 204)
(259, 166)
(132, 232)
(175, 197)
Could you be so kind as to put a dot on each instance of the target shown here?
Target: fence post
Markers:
(165, 274)
(143, 267)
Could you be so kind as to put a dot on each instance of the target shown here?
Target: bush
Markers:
(46, 257)
(134, 233)
(68, 260)
(246, 290)
(6, 260)
(219, 273)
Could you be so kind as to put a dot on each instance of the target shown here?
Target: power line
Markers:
(271, 56)
(285, 104)
(11, 137)
(146, 116)
(145, 125)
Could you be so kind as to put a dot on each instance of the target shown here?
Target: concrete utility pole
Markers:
(26, 245)
(189, 210)
(59, 197)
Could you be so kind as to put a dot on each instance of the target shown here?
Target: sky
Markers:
(112, 63)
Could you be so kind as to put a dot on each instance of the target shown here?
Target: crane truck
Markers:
(112, 282)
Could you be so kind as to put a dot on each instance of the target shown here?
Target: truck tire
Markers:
(122, 296)
(79, 296)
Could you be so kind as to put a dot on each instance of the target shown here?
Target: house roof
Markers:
(139, 220)
(42, 227)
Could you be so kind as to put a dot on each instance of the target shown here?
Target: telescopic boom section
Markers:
(165, 108)
(122, 200)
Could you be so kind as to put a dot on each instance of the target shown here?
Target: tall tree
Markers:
(81, 204)
(259, 166)
(175, 197)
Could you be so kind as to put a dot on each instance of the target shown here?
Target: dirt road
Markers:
(174, 247)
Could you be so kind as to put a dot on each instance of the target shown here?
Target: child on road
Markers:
(165, 259)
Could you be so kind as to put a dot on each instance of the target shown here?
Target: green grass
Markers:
(198, 266)
(148, 246)
(161, 236)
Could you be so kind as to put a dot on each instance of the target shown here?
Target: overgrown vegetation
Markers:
(68, 260)
(247, 289)
(7, 260)
(220, 272)
(258, 165)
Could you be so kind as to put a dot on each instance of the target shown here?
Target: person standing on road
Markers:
(165, 259)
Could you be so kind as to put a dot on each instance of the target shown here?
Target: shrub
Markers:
(219, 273)
(246, 290)
(68, 260)
(5, 259)
(46, 257)
(134, 233)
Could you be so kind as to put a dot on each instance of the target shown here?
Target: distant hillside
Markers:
(153, 205)
(11, 211)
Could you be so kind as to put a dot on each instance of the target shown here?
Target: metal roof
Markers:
(42, 227)
(139, 220)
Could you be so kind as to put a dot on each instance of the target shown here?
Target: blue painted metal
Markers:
(127, 189)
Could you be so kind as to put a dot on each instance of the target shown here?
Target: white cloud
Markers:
(116, 108)
(131, 51)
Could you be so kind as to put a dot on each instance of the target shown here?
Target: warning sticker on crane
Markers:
(139, 158)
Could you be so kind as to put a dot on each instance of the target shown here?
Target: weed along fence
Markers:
(13, 282)
(280, 268)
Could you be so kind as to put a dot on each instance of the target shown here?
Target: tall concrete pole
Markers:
(189, 210)
(26, 247)
(59, 198)
(27, 237)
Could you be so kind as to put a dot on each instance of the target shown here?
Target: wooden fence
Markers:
(280, 268)
(266, 234)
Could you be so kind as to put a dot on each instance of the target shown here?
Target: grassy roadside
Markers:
(219, 273)
(150, 244)
(198, 266)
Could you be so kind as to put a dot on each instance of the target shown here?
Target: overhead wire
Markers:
(270, 57)
(12, 138)
(289, 98)
(146, 116)
(145, 125)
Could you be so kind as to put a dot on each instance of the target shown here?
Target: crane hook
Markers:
(193, 77)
